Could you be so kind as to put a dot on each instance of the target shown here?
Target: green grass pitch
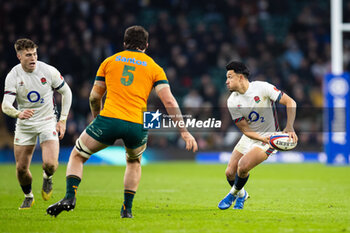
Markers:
(183, 197)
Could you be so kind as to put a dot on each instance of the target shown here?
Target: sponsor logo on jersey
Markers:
(275, 89)
(17, 139)
(43, 80)
(257, 99)
(239, 106)
(54, 133)
(21, 83)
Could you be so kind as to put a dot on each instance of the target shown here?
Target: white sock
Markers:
(241, 193)
(29, 195)
(234, 191)
(45, 176)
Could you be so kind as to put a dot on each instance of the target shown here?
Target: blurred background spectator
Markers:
(286, 43)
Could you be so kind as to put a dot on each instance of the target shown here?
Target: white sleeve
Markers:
(57, 79)
(66, 100)
(61, 87)
(272, 92)
(10, 84)
(7, 106)
(9, 97)
(234, 111)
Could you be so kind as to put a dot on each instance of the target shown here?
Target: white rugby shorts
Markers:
(245, 144)
(28, 135)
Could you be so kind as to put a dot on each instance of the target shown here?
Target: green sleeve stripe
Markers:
(160, 82)
(100, 78)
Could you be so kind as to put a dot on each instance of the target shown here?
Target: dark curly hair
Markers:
(238, 67)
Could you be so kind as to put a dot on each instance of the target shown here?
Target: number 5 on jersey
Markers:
(126, 72)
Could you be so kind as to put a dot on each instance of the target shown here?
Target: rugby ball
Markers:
(280, 141)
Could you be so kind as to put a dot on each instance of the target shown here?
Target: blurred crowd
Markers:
(286, 43)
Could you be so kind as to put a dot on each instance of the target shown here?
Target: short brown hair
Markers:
(24, 44)
(135, 37)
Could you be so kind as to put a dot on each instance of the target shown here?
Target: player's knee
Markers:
(134, 155)
(133, 158)
(22, 170)
(242, 171)
(50, 167)
(82, 149)
(230, 174)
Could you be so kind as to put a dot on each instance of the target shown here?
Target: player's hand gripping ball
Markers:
(280, 141)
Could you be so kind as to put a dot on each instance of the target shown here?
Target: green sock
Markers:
(72, 183)
(128, 198)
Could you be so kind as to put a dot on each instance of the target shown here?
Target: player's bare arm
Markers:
(96, 95)
(247, 131)
(172, 107)
(291, 107)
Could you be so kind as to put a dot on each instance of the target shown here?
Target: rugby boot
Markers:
(125, 213)
(66, 204)
(240, 201)
(46, 190)
(227, 201)
(27, 203)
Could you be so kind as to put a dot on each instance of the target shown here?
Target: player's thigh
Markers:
(91, 143)
(50, 151)
(48, 139)
(241, 148)
(105, 130)
(135, 140)
(254, 157)
(23, 156)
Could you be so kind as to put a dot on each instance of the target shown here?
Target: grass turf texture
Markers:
(183, 197)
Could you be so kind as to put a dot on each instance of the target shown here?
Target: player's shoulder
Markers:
(14, 73)
(260, 85)
(15, 70)
(42, 66)
(46, 69)
(232, 98)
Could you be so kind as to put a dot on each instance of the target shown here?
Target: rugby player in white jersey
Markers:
(32, 83)
(250, 105)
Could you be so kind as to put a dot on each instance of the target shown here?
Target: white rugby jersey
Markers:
(34, 91)
(256, 106)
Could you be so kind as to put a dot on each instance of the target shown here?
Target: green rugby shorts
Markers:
(107, 130)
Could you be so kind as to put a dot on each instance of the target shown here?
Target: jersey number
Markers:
(126, 72)
(254, 116)
(34, 97)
